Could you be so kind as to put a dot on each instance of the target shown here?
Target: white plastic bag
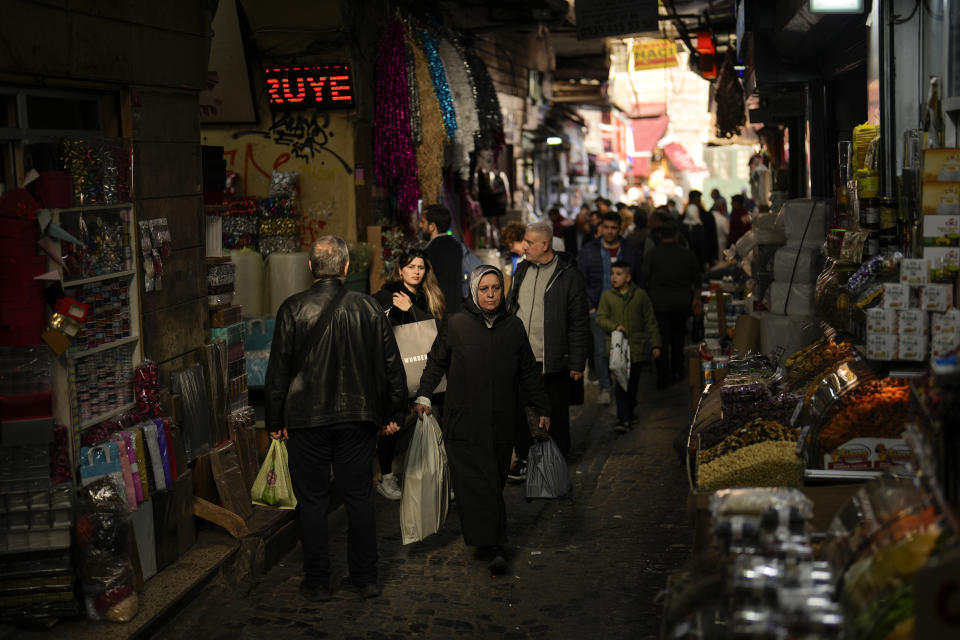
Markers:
(620, 358)
(426, 483)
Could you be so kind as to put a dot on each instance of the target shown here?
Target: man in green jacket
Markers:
(627, 308)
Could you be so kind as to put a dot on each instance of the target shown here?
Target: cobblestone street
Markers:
(589, 567)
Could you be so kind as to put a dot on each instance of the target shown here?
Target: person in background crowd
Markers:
(444, 253)
(660, 217)
(549, 297)
(638, 235)
(512, 236)
(719, 202)
(739, 219)
(410, 295)
(719, 213)
(557, 221)
(673, 208)
(329, 389)
(594, 260)
(627, 308)
(578, 235)
(603, 205)
(486, 357)
(671, 274)
(700, 230)
(626, 220)
(595, 219)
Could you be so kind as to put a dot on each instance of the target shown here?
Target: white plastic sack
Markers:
(620, 358)
(426, 483)
(791, 301)
(809, 263)
(805, 221)
(767, 229)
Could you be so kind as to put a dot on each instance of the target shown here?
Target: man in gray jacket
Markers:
(550, 298)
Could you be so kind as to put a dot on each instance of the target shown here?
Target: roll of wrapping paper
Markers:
(248, 281)
(136, 436)
(285, 275)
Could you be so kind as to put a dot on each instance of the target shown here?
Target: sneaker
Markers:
(622, 427)
(518, 472)
(315, 594)
(389, 487)
(604, 397)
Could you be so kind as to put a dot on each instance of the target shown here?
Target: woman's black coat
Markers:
(416, 313)
(488, 371)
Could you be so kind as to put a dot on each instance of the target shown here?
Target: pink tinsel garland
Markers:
(394, 155)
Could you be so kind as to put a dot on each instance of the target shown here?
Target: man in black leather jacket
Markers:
(333, 381)
(549, 296)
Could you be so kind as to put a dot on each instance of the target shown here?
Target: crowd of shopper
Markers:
(513, 360)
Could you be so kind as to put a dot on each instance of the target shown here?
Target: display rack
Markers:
(105, 279)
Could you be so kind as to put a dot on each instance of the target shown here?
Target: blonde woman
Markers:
(412, 294)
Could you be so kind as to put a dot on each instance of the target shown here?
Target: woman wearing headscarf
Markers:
(485, 354)
(412, 294)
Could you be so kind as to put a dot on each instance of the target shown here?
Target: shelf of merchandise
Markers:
(64, 402)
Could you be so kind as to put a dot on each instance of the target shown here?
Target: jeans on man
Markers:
(601, 358)
(350, 448)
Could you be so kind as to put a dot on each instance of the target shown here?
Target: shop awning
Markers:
(641, 167)
(680, 159)
(647, 132)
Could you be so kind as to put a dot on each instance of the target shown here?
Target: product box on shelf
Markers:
(881, 321)
(941, 198)
(896, 295)
(941, 165)
(913, 347)
(942, 263)
(941, 231)
(869, 454)
(882, 346)
(942, 344)
(912, 322)
(913, 271)
(947, 322)
(936, 297)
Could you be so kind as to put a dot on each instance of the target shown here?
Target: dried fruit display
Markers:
(875, 409)
(807, 367)
(764, 464)
(758, 430)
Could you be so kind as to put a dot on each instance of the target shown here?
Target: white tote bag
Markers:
(620, 358)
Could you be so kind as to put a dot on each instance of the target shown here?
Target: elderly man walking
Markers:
(335, 378)
(549, 296)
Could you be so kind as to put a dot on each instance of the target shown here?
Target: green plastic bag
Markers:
(273, 487)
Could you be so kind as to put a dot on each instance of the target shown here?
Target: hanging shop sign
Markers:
(322, 87)
(654, 54)
(606, 18)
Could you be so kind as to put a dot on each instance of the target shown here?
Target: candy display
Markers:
(878, 409)
(806, 367)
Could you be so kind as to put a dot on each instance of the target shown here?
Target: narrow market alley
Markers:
(590, 567)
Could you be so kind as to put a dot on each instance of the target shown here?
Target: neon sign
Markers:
(324, 87)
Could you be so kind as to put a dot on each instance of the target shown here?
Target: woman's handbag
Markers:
(415, 340)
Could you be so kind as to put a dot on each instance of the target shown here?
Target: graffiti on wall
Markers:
(307, 135)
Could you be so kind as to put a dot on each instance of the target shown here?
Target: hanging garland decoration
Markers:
(465, 104)
(440, 86)
(490, 134)
(415, 124)
(395, 161)
(434, 135)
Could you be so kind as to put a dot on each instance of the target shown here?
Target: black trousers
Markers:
(627, 398)
(558, 386)
(349, 447)
(673, 333)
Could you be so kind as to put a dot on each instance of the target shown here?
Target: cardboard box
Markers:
(946, 323)
(912, 322)
(941, 165)
(882, 346)
(941, 198)
(912, 347)
(869, 454)
(936, 297)
(881, 321)
(896, 295)
(941, 231)
(746, 335)
(913, 271)
(943, 344)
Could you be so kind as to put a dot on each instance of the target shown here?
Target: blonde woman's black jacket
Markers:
(353, 373)
(566, 326)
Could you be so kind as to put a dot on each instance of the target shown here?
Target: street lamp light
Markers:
(836, 6)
